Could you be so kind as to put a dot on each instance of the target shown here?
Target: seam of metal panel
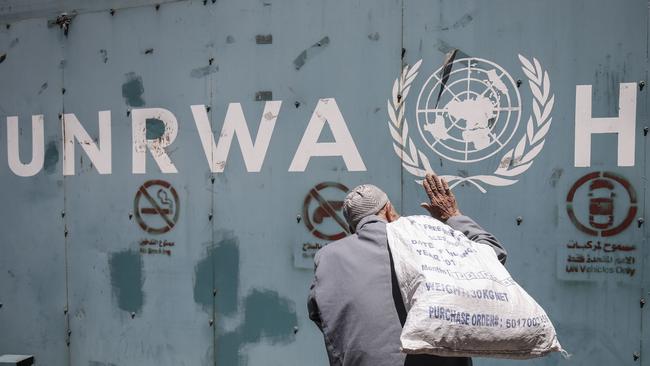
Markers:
(644, 252)
(212, 82)
(402, 63)
(65, 221)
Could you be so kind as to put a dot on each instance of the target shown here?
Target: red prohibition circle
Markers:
(170, 221)
(326, 205)
(629, 217)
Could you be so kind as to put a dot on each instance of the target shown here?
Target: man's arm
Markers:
(312, 305)
(475, 233)
(443, 206)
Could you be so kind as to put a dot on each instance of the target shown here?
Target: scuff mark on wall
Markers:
(460, 23)
(132, 90)
(557, 173)
(155, 128)
(98, 363)
(312, 51)
(445, 48)
(42, 89)
(127, 279)
(219, 270)
(51, 157)
(104, 55)
(204, 71)
(14, 42)
(373, 36)
(267, 318)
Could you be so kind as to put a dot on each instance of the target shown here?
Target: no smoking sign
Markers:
(322, 211)
(156, 207)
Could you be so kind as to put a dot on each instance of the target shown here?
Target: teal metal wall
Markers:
(211, 264)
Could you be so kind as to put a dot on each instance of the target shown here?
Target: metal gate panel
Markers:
(597, 316)
(345, 51)
(227, 284)
(132, 257)
(32, 263)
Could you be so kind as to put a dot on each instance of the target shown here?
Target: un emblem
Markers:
(467, 111)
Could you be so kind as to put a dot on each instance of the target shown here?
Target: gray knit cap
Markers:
(362, 201)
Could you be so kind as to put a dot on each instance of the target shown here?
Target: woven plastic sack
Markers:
(461, 301)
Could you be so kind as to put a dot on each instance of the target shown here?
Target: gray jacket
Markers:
(356, 302)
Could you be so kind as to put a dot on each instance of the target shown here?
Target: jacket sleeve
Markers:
(476, 233)
(312, 305)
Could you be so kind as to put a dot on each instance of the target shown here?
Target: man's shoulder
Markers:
(336, 248)
(337, 251)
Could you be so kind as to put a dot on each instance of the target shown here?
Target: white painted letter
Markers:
(38, 147)
(235, 124)
(156, 146)
(623, 125)
(327, 111)
(72, 129)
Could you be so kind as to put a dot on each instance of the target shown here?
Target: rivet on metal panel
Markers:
(403, 52)
(295, 330)
(519, 220)
(157, 6)
(133, 315)
(207, 108)
(3, 57)
(69, 332)
(212, 180)
(205, 2)
(642, 302)
(645, 131)
(128, 112)
(62, 213)
(65, 233)
(641, 85)
(65, 310)
(130, 215)
(640, 221)
(211, 322)
(298, 218)
(214, 292)
(267, 39)
(211, 60)
(210, 217)
(8, 26)
(297, 104)
(0, 305)
(112, 11)
(60, 116)
(636, 356)
(518, 83)
(399, 98)
(62, 90)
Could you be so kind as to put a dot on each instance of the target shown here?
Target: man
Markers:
(354, 298)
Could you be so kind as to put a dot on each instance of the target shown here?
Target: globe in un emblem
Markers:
(469, 110)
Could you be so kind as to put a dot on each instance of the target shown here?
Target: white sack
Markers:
(461, 301)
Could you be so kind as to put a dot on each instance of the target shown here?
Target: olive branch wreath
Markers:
(513, 163)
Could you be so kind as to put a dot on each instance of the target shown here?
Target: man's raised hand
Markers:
(442, 202)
